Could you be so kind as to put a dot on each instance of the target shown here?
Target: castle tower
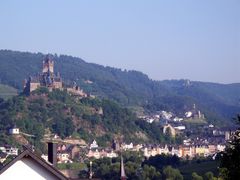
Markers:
(48, 65)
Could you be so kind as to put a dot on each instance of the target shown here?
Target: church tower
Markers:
(48, 65)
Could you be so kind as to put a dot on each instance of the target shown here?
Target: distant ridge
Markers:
(129, 88)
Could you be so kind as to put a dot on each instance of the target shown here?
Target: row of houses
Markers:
(184, 151)
(101, 154)
(170, 116)
(67, 153)
(180, 151)
(70, 153)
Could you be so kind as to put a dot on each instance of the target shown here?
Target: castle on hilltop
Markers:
(48, 79)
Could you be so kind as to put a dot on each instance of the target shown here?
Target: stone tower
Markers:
(48, 65)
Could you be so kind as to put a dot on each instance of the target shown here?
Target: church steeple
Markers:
(123, 174)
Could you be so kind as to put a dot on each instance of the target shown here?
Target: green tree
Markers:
(172, 174)
(223, 174)
(159, 161)
(150, 173)
(231, 157)
(210, 176)
(195, 176)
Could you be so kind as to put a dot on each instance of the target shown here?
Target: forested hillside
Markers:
(129, 88)
(126, 87)
(59, 113)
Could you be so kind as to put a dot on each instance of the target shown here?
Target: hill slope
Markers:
(59, 113)
(7, 91)
(129, 88)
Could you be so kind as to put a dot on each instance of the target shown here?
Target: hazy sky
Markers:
(170, 39)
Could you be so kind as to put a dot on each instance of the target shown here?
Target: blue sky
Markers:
(170, 39)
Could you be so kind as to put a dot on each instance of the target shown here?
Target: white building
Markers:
(14, 131)
(45, 157)
(137, 147)
(127, 146)
(29, 166)
(180, 128)
(94, 145)
(166, 115)
(177, 119)
(63, 158)
(150, 120)
(176, 151)
(94, 153)
(12, 151)
(211, 126)
(221, 147)
(9, 150)
(111, 154)
(188, 114)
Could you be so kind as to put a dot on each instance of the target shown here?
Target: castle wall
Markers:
(76, 92)
(34, 86)
(57, 85)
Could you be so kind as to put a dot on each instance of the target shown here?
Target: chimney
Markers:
(52, 153)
